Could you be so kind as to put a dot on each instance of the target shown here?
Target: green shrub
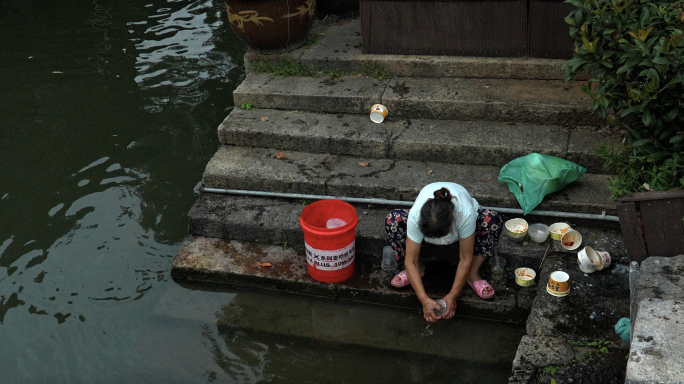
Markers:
(634, 54)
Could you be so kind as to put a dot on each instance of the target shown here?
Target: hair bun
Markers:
(442, 193)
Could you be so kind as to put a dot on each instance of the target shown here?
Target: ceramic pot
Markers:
(271, 26)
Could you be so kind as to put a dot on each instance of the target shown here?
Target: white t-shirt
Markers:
(465, 214)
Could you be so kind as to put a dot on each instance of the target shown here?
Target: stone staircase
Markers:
(450, 119)
(454, 119)
(312, 135)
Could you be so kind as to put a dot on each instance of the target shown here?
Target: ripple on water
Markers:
(178, 51)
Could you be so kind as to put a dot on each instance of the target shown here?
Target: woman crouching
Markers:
(444, 213)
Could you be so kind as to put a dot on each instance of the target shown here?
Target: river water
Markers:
(108, 115)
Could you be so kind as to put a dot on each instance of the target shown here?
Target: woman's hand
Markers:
(450, 300)
(429, 307)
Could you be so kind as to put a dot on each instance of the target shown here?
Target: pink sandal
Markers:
(479, 288)
(403, 277)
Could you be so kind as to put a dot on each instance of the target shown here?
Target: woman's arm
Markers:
(466, 247)
(413, 272)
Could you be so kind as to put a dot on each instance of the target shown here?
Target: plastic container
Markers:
(516, 229)
(389, 262)
(558, 230)
(589, 260)
(538, 232)
(605, 257)
(497, 264)
(524, 277)
(443, 307)
(330, 252)
(571, 240)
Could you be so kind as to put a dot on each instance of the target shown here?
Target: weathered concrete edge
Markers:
(468, 304)
(356, 135)
(339, 47)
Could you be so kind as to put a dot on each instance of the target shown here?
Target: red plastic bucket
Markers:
(330, 253)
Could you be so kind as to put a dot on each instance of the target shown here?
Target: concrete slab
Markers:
(656, 354)
(527, 101)
(582, 146)
(339, 47)
(354, 135)
(348, 94)
(595, 304)
(476, 142)
(661, 278)
(544, 359)
(303, 172)
(234, 262)
(269, 221)
(471, 142)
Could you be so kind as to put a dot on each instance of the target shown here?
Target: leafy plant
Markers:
(551, 370)
(335, 73)
(633, 51)
(248, 106)
(286, 65)
(374, 71)
(281, 66)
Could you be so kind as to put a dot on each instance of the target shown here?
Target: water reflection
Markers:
(176, 52)
(95, 189)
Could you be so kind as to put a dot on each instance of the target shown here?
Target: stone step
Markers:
(471, 142)
(261, 169)
(466, 99)
(239, 263)
(271, 221)
(337, 46)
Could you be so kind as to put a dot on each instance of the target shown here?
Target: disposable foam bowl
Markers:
(571, 240)
(585, 269)
(558, 230)
(516, 229)
(588, 260)
(525, 276)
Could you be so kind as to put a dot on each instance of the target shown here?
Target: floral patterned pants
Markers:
(487, 231)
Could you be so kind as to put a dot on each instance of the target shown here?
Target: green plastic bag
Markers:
(534, 176)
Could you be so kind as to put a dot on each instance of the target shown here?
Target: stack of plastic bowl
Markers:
(538, 232)
(589, 261)
(516, 229)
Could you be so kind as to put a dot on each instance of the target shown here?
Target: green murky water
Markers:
(108, 115)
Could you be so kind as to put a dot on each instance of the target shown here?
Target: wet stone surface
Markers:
(661, 278)
(656, 353)
(572, 338)
(594, 305)
(233, 262)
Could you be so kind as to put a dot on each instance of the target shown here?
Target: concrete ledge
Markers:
(595, 304)
(661, 278)
(339, 47)
(544, 359)
(525, 101)
(349, 94)
(233, 262)
(337, 175)
(656, 354)
(471, 142)
(269, 221)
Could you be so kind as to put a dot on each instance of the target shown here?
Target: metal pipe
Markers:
(633, 304)
(394, 203)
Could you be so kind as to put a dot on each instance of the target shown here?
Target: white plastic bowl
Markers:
(538, 232)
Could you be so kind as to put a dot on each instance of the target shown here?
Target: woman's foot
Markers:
(401, 279)
(480, 286)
